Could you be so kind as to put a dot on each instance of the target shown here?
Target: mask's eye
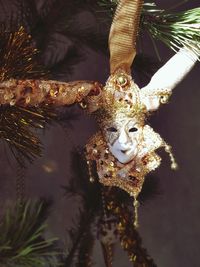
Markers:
(133, 129)
(112, 129)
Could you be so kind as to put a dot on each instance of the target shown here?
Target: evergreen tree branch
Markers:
(175, 30)
(22, 242)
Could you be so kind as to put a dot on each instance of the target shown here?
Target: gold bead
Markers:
(112, 164)
(47, 87)
(122, 80)
(83, 105)
(12, 102)
(28, 99)
(81, 89)
(174, 166)
(164, 99)
(91, 180)
(6, 97)
(53, 93)
(167, 148)
(61, 89)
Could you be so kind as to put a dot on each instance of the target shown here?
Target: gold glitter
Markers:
(174, 166)
(28, 99)
(47, 87)
(6, 97)
(51, 92)
(164, 97)
(122, 80)
(61, 89)
(91, 180)
(81, 89)
(12, 102)
(83, 105)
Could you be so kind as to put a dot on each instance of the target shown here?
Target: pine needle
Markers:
(19, 60)
(22, 242)
(175, 30)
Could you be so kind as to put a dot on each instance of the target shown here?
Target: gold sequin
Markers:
(53, 93)
(122, 80)
(28, 99)
(12, 102)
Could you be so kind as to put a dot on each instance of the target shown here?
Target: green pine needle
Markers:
(173, 29)
(108, 6)
(21, 237)
(19, 60)
(17, 129)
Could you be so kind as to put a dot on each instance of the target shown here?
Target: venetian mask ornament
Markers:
(125, 147)
(124, 150)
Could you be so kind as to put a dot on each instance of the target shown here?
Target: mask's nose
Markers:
(123, 138)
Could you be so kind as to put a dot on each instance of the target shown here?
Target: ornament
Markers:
(124, 149)
(121, 108)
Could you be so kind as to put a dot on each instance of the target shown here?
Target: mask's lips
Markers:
(124, 151)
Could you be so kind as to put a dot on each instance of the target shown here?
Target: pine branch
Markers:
(175, 30)
(108, 6)
(19, 58)
(79, 234)
(21, 237)
(16, 130)
(85, 250)
(79, 185)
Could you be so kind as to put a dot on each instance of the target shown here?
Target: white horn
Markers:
(162, 83)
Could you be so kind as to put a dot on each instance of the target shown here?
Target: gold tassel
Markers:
(136, 206)
(168, 149)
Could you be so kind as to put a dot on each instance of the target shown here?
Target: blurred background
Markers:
(72, 38)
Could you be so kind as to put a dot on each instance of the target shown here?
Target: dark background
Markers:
(169, 223)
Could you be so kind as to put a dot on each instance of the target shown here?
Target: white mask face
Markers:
(123, 138)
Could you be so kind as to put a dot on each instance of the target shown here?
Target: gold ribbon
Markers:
(123, 35)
